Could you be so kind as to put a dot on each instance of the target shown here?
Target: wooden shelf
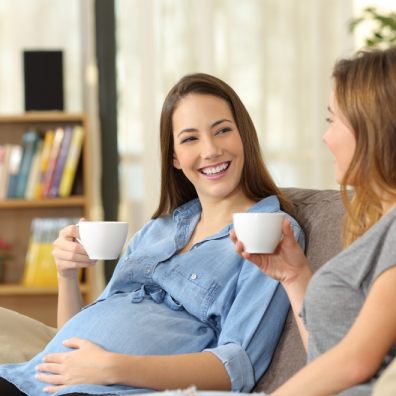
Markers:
(21, 290)
(16, 216)
(43, 203)
(41, 117)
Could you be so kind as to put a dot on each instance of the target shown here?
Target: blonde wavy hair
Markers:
(365, 91)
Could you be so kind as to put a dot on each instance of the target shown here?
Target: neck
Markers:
(221, 211)
(387, 206)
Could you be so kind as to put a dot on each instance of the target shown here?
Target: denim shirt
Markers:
(159, 302)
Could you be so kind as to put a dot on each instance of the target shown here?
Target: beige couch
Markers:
(320, 214)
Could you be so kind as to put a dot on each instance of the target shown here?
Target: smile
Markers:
(215, 170)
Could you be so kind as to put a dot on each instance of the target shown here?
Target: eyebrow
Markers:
(213, 125)
(329, 109)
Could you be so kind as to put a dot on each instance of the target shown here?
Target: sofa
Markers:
(320, 214)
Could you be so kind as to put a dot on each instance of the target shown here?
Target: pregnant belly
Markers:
(144, 328)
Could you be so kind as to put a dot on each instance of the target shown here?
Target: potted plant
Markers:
(383, 27)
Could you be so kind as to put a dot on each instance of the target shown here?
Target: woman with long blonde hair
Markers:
(346, 311)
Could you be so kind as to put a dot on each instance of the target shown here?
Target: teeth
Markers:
(215, 169)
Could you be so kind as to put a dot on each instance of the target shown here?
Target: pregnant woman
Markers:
(182, 308)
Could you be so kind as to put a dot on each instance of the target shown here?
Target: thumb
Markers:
(287, 231)
(74, 343)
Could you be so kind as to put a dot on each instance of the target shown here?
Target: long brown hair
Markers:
(365, 91)
(176, 189)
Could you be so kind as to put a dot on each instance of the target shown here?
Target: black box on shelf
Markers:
(43, 78)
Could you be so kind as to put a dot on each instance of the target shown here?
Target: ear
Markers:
(176, 162)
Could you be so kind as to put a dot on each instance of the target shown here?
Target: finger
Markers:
(54, 357)
(53, 379)
(70, 255)
(239, 247)
(74, 343)
(69, 232)
(48, 368)
(53, 389)
(233, 236)
(287, 230)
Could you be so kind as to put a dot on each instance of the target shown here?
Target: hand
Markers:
(85, 364)
(285, 264)
(70, 255)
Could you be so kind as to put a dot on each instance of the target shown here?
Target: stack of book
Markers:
(43, 166)
(40, 268)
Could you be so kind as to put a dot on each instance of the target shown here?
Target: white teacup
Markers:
(103, 240)
(259, 232)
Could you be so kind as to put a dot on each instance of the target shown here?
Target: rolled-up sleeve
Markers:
(251, 329)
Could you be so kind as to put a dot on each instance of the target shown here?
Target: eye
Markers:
(188, 139)
(223, 130)
(329, 120)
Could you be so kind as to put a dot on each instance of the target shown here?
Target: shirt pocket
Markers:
(194, 289)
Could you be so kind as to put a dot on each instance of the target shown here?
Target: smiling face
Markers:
(207, 146)
(340, 140)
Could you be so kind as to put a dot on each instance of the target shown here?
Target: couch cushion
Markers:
(21, 337)
(319, 212)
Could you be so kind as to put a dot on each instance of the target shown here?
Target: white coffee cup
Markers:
(259, 232)
(102, 240)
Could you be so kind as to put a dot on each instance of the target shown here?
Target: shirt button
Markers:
(147, 270)
(193, 276)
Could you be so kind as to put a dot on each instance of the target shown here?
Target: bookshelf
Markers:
(16, 215)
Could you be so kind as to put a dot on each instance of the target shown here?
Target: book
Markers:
(34, 173)
(4, 154)
(44, 158)
(14, 163)
(60, 164)
(29, 143)
(52, 160)
(69, 172)
(40, 267)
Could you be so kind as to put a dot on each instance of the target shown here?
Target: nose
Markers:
(210, 148)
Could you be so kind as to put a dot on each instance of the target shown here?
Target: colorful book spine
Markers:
(52, 160)
(3, 169)
(69, 172)
(60, 165)
(29, 143)
(44, 159)
(40, 267)
(14, 163)
(34, 174)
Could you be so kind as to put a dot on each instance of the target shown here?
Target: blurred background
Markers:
(122, 56)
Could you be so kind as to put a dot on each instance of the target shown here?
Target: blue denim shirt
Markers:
(163, 303)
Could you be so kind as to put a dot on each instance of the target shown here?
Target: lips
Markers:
(214, 171)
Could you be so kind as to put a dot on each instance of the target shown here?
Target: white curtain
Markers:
(277, 55)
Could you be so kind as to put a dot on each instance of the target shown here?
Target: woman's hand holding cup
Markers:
(69, 254)
(285, 264)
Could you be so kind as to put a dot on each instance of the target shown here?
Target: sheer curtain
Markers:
(277, 55)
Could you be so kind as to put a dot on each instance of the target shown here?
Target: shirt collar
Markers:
(190, 210)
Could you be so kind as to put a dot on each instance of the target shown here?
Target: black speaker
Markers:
(43, 74)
